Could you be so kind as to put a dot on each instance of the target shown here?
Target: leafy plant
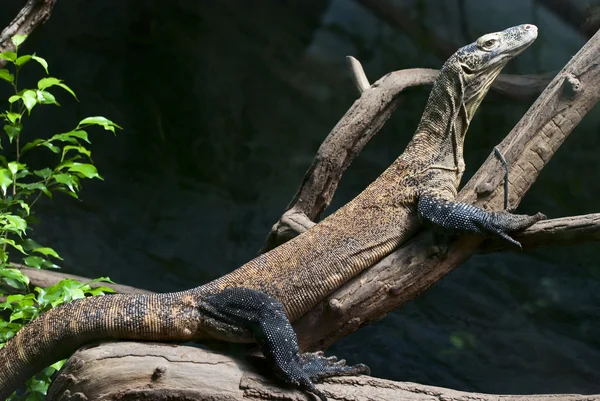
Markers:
(21, 186)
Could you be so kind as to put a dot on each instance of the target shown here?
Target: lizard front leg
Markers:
(465, 218)
(266, 319)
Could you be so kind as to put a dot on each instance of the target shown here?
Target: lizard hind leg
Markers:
(266, 319)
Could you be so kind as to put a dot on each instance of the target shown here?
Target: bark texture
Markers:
(133, 371)
(33, 14)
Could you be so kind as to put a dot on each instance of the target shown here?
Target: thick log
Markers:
(133, 371)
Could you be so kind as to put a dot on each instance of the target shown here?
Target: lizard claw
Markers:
(319, 367)
(312, 367)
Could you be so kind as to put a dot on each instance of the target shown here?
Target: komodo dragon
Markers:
(251, 303)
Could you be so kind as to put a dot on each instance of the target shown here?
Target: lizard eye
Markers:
(489, 43)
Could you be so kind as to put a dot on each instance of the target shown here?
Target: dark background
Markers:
(224, 104)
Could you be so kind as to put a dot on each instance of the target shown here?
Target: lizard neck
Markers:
(439, 138)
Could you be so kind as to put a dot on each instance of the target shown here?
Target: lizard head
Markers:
(481, 61)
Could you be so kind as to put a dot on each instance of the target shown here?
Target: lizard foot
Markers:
(234, 310)
(318, 367)
(311, 367)
(458, 217)
(502, 222)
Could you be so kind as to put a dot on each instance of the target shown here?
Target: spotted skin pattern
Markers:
(257, 301)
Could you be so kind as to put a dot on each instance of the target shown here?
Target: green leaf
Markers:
(5, 180)
(79, 149)
(50, 81)
(45, 97)
(15, 224)
(13, 117)
(68, 192)
(35, 185)
(44, 173)
(47, 251)
(68, 180)
(102, 121)
(29, 99)
(14, 274)
(34, 261)
(32, 144)
(13, 98)
(23, 205)
(23, 60)
(14, 167)
(10, 56)
(13, 130)
(58, 365)
(71, 137)
(30, 244)
(51, 146)
(18, 39)
(87, 170)
(7, 76)
(47, 82)
(42, 62)
(39, 263)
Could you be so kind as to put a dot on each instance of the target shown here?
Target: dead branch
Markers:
(413, 268)
(161, 371)
(360, 123)
(33, 14)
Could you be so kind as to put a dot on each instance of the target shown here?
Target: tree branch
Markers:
(415, 267)
(131, 370)
(33, 14)
(360, 123)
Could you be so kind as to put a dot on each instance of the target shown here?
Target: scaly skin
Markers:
(249, 303)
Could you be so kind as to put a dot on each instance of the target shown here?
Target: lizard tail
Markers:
(61, 331)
